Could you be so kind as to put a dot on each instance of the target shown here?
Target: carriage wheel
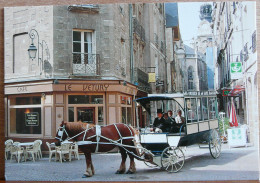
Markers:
(214, 144)
(172, 159)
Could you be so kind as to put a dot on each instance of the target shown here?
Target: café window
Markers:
(25, 115)
(126, 110)
(85, 99)
(86, 108)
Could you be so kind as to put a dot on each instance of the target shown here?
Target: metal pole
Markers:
(131, 43)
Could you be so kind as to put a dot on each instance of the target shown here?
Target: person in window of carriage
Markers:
(168, 124)
(170, 115)
(159, 120)
(180, 120)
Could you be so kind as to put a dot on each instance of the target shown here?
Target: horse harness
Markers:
(98, 136)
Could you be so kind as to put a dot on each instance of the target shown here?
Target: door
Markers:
(86, 114)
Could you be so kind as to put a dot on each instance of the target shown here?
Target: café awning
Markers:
(237, 90)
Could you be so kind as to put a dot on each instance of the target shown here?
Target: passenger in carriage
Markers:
(171, 115)
(159, 120)
(168, 124)
(180, 120)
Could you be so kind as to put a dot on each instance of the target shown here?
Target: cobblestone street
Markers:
(233, 164)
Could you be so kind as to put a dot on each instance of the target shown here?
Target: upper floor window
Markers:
(245, 52)
(190, 78)
(85, 59)
(82, 46)
(241, 56)
(254, 42)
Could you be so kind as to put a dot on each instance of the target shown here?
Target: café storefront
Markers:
(35, 109)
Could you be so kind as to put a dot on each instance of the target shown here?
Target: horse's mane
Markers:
(77, 127)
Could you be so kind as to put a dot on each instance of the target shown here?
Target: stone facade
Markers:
(91, 60)
(18, 23)
(111, 38)
(235, 41)
(155, 50)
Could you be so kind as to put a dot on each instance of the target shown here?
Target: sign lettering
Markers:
(32, 119)
(22, 89)
(95, 87)
(68, 87)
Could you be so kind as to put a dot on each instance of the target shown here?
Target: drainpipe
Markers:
(164, 52)
(131, 43)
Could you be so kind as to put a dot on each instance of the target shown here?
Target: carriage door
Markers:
(86, 114)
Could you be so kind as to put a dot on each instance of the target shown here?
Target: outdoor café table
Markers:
(25, 145)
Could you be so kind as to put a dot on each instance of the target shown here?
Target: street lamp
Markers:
(32, 50)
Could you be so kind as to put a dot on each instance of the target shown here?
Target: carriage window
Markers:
(212, 108)
(191, 109)
(199, 109)
(205, 108)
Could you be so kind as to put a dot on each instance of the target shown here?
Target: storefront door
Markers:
(86, 114)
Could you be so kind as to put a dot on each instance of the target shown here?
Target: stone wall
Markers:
(18, 23)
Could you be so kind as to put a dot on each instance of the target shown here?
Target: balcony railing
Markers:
(162, 47)
(156, 39)
(86, 64)
(141, 78)
(88, 8)
(138, 29)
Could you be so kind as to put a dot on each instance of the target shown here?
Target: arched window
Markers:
(190, 78)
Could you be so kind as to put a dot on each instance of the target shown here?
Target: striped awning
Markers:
(237, 90)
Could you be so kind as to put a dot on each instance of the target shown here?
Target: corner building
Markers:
(86, 67)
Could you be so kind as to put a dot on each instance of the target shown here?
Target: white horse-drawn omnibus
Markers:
(199, 109)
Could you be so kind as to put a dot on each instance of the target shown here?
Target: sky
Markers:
(189, 20)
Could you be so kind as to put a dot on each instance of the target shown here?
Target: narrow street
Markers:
(233, 164)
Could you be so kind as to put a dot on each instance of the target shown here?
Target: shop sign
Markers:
(32, 119)
(236, 70)
(87, 87)
(225, 92)
(151, 77)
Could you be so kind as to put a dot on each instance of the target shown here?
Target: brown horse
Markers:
(93, 138)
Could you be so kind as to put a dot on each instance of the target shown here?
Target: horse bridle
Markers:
(63, 129)
(61, 132)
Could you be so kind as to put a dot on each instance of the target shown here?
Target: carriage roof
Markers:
(179, 97)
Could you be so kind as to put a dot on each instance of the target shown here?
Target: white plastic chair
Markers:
(51, 151)
(62, 150)
(8, 144)
(74, 149)
(39, 148)
(33, 150)
(17, 152)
